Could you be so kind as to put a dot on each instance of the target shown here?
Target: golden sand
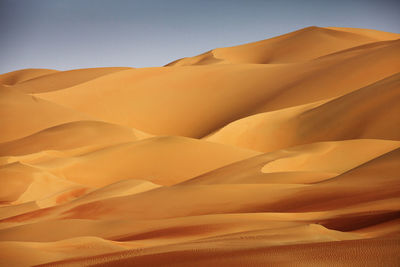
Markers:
(282, 152)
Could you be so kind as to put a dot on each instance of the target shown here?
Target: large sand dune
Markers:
(215, 95)
(302, 45)
(280, 152)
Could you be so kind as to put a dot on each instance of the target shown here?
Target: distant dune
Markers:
(302, 45)
(280, 152)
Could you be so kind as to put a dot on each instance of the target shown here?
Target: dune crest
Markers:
(272, 153)
(18, 76)
(302, 45)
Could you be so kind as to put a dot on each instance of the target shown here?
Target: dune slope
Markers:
(22, 115)
(302, 45)
(158, 100)
(369, 112)
(62, 79)
(19, 76)
(281, 152)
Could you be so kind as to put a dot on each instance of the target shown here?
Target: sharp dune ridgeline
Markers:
(281, 152)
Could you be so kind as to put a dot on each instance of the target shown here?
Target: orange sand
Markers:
(280, 152)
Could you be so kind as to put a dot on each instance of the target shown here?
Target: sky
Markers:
(70, 34)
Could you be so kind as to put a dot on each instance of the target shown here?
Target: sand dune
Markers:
(302, 45)
(24, 183)
(62, 79)
(302, 164)
(337, 192)
(239, 195)
(22, 115)
(15, 77)
(162, 160)
(74, 135)
(375, 252)
(341, 118)
(280, 152)
(35, 252)
(171, 93)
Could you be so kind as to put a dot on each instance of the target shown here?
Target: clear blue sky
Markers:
(68, 34)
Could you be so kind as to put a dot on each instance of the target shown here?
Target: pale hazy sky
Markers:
(68, 34)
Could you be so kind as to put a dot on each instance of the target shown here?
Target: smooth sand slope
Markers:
(22, 115)
(18, 76)
(75, 134)
(281, 152)
(57, 80)
(158, 100)
(162, 160)
(302, 45)
(369, 112)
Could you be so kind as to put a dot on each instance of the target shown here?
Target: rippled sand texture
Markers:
(282, 152)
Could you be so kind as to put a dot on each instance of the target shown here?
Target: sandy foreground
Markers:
(282, 152)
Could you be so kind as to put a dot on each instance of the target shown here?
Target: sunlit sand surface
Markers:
(281, 152)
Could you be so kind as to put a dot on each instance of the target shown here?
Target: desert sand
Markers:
(281, 152)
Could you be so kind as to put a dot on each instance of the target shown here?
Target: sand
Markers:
(281, 152)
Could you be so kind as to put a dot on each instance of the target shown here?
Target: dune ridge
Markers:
(301, 45)
(279, 152)
(18, 76)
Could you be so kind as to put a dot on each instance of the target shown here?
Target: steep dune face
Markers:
(279, 152)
